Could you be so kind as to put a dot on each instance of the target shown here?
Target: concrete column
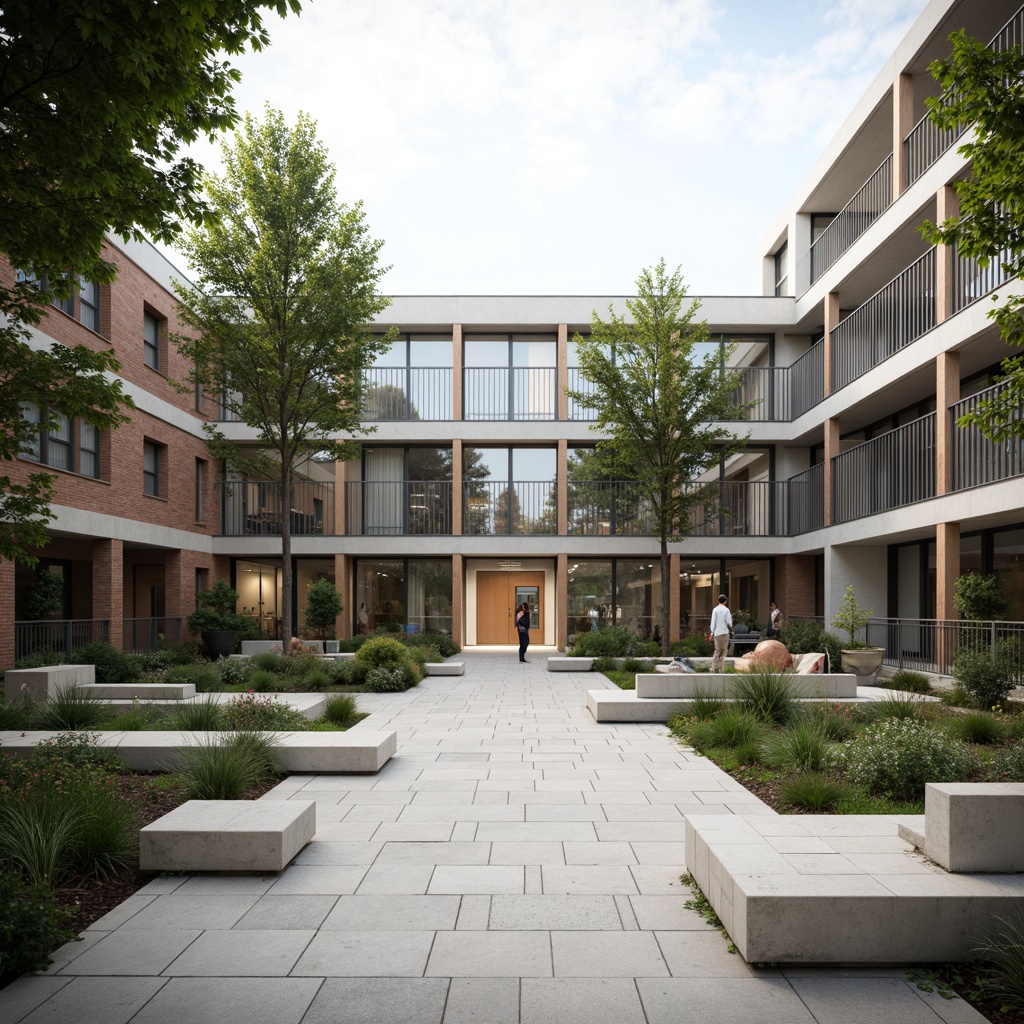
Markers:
(864, 567)
(831, 451)
(562, 487)
(456, 371)
(673, 598)
(343, 582)
(561, 601)
(6, 614)
(458, 594)
(457, 487)
(562, 362)
(902, 122)
(831, 316)
(108, 586)
(947, 391)
(947, 205)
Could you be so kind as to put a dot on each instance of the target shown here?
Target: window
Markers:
(151, 340)
(200, 484)
(89, 450)
(52, 444)
(151, 468)
(781, 272)
(66, 305)
(89, 304)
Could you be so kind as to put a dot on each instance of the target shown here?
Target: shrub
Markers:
(140, 717)
(386, 680)
(633, 665)
(235, 671)
(802, 746)
(382, 652)
(198, 716)
(262, 681)
(613, 642)
(732, 727)
(977, 597)
(316, 681)
(834, 720)
(76, 750)
(431, 655)
(911, 682)
(32, 925)
(442, 642)
(323, 606)
(165, 657)
(976, 727)
(225, 768)
(204, 677)
(705, 703)
(251, 712)
(1001, 955)
(900, 705)
(896, 758)
(112, 665)
(15, 714)
(807, 636)
(604, 664)
(985, 679)
(695, 645)
(71, 708)
(813, 791)
(341, 709)
(349, 673)
(268, 661)
(766, 695)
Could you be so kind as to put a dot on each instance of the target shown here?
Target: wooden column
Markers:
(947, 391)
(831, 317)
(457, 371)
(947, 568)
(458, 594)
(108, 586)
(673, 598)
(947, 204)
(831, 451)
(340, 499)
(343, 582)
(902, 122)
(562, 362)
(562, 488)
(561, 600)
(457, 487)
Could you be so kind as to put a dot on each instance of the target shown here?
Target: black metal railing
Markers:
(150, 634)
(509, 393)
(978, 460)
(765, 389)
(805, 504)
(871, 200)
(807, 381)
(253, 507)
(972, 281)
(607, 508)
(60, 636)
(897, 468)
(492, 507)
(408, 393)
(399, 507)
(897, 314)
(577, 382)
(746, 508)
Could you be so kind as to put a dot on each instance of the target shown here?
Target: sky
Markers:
(557, 147)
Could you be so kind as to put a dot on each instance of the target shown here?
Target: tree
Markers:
(655, 401)
(323, 606)
(984, 93)
(281, 308)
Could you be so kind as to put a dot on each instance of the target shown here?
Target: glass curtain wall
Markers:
(411, 381)
(700, 583)
(405, 491)
(509, 377)
(614, 592)
(259, 592)
(403, 595)
(509, 491)
(307, 572)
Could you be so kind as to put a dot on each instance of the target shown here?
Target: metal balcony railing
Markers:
(252, 507)
(408, 393)
(805, 504)
(926, 143)
(807, 381)
(577, 382)
(897, 314)
(767, 387)
(493, 507)
(58, 636)
(749, 508)
(509, 393)
(149, 634)
(399, 508)
(894, 469)
(871, 200)
(977, 460)
(972, 281)
(607, 508)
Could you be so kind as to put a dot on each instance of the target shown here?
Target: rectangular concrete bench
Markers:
(446, 668)
(228, 835)
(682, 685)
(570, 664)
(341, 656)
(48, 681)
(144, 691)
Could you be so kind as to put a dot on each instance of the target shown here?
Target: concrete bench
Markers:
(570, 664)
(228, 835)
(446, 668)
(682, 685)
(972, 826)
(48, 681)
(144, 691)
(341, 656)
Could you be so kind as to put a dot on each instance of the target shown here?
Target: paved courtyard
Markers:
(515, 863)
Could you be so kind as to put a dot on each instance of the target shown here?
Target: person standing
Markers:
(721, 627)
(522, 621)
(774, 621)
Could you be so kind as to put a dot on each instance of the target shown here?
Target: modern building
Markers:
(863, 349)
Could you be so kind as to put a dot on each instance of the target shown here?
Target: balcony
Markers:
(493, 508)
(607, 508)
(407, 393)
(977, 460)
(408, 508)
(253, 508)
(509, 393)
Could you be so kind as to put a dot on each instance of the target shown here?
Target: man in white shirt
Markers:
(721, 627)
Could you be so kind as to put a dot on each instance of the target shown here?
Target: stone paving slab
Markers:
(515, 862)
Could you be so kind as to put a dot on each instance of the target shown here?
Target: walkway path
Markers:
(515, 863)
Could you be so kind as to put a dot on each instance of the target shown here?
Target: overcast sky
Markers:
(556, 147)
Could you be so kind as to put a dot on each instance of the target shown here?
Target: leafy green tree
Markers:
(656, 401)
(323, 606)
(984, 93)
(281, 309)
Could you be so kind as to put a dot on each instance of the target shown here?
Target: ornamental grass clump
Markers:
(976, 727)
(705, 703)
(70, 708)
(896, 757)
(767, 696)
(813, 791)
(801, 746)
(1001, 957)
(341, 709)
(732, 727)
(198, 716)
(225, 767)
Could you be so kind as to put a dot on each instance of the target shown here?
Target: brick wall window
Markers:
(66, 305)
(89, 450)
(200, 488)
(151, 340)
(53, 445)
(89, 304)
(153, 456)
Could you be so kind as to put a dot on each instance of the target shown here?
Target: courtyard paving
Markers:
(515, 863)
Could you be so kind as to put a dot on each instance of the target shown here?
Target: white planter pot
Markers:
(864, 662)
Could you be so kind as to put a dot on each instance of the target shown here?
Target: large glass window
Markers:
(509, 490)
(615, 592)
(412, 380)
(52, 444)
(259, 586)
(403, 491)
(89, 304)
(89, 450)
(591, 604)
(403, 595)
(151, 340)
(1008, 566)
(748, 583)
(307, 572)
(509, 377)
(700, 583)
(151, 468)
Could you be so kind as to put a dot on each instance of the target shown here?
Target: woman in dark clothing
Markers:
(523, 629)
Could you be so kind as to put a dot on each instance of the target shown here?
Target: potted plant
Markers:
(215, 620)
(858, 657)
(323, 606)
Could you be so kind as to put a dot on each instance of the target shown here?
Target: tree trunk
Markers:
(286, 556)
(666, 591)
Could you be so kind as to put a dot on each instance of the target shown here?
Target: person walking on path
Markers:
(523, 629)
(721, 627)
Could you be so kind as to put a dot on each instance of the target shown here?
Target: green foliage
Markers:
(15, 714)
(323, 606)
(604, 664)
(731, 727)
(705, 703)
(349, 673)
(834, 720)
(986, 680)
(613, 642)
(901, 705)
(341, 709)
(702, 905)
(851, 616)
(801, 746)
(32, 925)
(694, 645)
(252, 712)
(895, 758)
(203, 676)
(235, 671)
(263, 682)
(316, 682)
(976, 727)
(386, 680)
(164, 658)
(71, 708)
(225, 767)
(382, 652)
(807, 636)
(267, 662)
(216, 610)
(45, 597)
(766, 695)
(443, 642)
(980, 598)
(112, 666)
(813, 791)
(198, 716)
(1002, 962)
(77, 750)
(142, 717)
(636, 665)
(911, 682)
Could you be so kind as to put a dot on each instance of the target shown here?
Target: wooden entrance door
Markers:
(496, 594)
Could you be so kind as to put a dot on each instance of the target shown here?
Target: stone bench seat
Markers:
(228, 835)
(684, 685)
(570, 664)
(446, 668)
(358, 750)
(46, 681)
